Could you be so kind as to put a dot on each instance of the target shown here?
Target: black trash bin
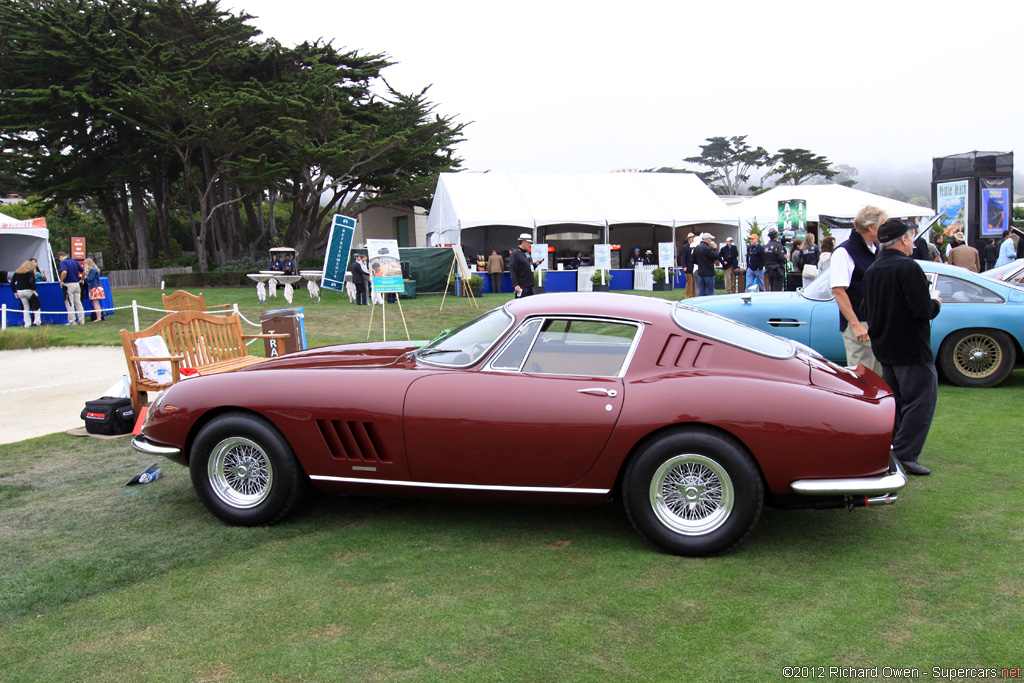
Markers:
(290, 321)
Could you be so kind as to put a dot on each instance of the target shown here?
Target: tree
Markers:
(796, 166)
(730, 160)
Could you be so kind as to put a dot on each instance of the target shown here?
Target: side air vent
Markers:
(685, 352)
(353, 441)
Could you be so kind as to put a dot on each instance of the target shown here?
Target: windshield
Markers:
(1007, 273)
(465, 345)
(821, 288)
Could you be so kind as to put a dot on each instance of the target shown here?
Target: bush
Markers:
(596, 277)
(218, 278)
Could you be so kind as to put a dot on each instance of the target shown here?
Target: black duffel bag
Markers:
(109, 415)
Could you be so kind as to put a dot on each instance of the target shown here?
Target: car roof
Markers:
(606, 304)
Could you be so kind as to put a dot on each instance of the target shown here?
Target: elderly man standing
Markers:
(900, 310)
(704, 257)
(686, 259)
(730, 257)
(521, 268)
(850, 261)
(1007, 250)
(965, 255)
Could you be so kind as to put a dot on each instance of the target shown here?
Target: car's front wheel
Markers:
(977, 358)
(244, 471)
(693, 492)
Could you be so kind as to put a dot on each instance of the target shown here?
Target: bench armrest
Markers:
(276, 335)
(173, 359)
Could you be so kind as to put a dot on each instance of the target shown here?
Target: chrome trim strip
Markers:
(888, 483)
(140, 443)
(465, 487)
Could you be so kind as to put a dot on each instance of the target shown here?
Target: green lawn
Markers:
(102, 583)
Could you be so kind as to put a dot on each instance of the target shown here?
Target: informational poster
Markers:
(995, 211)
(385, 268)
(792, 217)
(666, 255)
(539, 252)
(951, 200)
(339, 244)
(78, 248)
(603, 256)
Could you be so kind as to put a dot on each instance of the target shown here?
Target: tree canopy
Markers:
(730, 160)
(137, 107)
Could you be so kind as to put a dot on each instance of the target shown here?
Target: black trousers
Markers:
(496, 283)
(775, 279)
(916, 388)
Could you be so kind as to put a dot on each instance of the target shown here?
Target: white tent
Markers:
(23, 240)
(510, 203)
(831, 200)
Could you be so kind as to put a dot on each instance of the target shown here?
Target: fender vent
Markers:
(353, 441)
(685, 352)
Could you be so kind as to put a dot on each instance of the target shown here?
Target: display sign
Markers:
(539, 252)
(339, 244)
(603, 256)
(793, 217)
(78, 248)
(666, 255)
(385, 268)
(951, 200)
(995, 210)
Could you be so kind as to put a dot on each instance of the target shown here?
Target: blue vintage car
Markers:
(977, 337)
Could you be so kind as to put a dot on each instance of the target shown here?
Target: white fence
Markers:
(142, 278)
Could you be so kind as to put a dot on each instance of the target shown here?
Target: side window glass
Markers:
(593, 348)
(953, 290)
(511, 357)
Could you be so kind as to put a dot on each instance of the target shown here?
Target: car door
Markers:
(537, 413)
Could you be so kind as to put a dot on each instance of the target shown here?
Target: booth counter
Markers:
(51, 299)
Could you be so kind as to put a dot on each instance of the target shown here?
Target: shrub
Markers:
(596, 277)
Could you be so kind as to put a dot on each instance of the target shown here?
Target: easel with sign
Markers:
(459, 260)
(385, 283)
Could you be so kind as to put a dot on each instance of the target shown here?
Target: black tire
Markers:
(693, 492)
(244, 471)
(977, 357)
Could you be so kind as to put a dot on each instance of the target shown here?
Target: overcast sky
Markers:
(584, 87)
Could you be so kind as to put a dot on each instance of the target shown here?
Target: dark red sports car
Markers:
(696, 421)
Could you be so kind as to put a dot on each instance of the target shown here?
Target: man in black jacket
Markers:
(900, 309)
(774, 262)
(704, 257)
(520, 268)
(730, 258)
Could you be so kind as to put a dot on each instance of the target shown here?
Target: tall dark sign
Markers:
(973, 193)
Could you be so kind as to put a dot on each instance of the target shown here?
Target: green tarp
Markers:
(429, 267)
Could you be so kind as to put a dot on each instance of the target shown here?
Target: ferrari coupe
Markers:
(693, 420)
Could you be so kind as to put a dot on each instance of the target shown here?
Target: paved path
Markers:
(43, 391)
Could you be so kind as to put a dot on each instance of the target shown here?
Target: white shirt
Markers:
(841, 268)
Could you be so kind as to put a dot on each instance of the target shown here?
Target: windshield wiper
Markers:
(430, 352)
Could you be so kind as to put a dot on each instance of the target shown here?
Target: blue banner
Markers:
(339, 244)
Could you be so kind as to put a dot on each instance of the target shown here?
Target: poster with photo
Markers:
(385, 268)
(995, 211)
(951, 206)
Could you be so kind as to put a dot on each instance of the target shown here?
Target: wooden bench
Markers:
(183, 301)
(208, 343)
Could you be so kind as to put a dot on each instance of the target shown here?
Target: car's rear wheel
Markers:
(244, 471)
(693, 492)
(977, 358)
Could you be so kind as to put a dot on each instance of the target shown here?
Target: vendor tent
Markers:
(485, 211)
(23, 240)
(831, 200)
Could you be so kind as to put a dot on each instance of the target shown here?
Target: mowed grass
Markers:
(103, 583)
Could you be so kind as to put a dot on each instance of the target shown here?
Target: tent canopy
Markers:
(24, 240)
(830, 200)
(527, 201)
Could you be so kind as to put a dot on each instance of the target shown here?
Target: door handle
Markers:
(599, 391)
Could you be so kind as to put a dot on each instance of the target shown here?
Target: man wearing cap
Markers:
(729, 255)
(849, 262)
(1007, 250)
(964, 255)
(520, 267)
(704, 257)
(755, 263)
(899, 313)
(774, 262)
(686, 258)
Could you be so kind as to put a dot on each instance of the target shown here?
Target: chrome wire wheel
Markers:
(977, 355)
(692, 494)
(240, 472)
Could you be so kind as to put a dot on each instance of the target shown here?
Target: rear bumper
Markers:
(892, 481)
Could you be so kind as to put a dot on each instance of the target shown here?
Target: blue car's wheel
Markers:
(977, 358)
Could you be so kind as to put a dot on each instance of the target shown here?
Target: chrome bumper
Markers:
(888, 483)
(140, 443)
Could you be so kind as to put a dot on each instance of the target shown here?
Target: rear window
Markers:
(720, 328)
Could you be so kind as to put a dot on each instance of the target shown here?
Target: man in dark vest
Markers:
(900, 310)
(774, 262)
(850, 261)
